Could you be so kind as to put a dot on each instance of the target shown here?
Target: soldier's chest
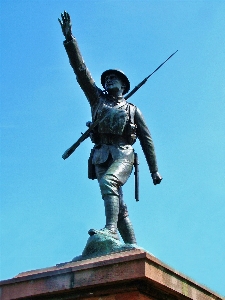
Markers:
(113, 117)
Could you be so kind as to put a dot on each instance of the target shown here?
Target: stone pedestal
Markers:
(128, 275)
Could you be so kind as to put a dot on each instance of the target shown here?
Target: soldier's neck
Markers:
(116, 98)
(116, 95)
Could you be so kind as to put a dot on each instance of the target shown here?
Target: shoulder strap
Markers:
(94, 113)
(132, 110)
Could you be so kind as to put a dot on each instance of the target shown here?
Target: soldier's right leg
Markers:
(111, 202)
(111, 176)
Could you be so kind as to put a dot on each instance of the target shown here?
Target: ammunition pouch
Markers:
(129, 136)
(112, 139)
(131, 133)
(94, 136)
(94, 133)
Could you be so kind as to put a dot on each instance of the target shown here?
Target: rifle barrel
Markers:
(144, 81)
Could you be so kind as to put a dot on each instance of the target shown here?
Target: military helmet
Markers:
(120, 75)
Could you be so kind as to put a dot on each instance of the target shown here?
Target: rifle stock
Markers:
(83, 137)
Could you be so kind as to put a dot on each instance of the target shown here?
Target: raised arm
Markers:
(83, 75)
(66, 26)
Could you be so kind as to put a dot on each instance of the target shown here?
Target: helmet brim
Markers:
(120, 75)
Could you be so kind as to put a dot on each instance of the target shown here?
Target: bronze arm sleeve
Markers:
(82, 73)
(146, 141)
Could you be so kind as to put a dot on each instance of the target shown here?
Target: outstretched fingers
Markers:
(60, 22)
(65, 17)
(66, 25)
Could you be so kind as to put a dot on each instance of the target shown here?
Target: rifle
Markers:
(144, 81)
(86, 134)
(83, 137)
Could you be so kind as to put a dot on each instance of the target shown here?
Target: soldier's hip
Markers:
(116, 152)
(112, 175)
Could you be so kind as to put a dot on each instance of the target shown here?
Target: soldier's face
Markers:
(113, 83)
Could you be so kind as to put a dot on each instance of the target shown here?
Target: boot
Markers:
(126, 231)
(111, 213)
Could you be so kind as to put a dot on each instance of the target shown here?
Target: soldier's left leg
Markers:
(124, 224)
(126, 230)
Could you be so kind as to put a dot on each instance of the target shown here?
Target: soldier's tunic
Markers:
(113, 153)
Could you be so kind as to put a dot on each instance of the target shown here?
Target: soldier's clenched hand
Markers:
(156, 177)
(66, 25)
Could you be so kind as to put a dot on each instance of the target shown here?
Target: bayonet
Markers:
(144, 81)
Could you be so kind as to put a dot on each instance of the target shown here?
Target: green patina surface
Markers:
(102, 244)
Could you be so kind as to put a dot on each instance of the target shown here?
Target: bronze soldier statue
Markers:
(120, 124)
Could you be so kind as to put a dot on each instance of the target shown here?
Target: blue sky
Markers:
(48, 204)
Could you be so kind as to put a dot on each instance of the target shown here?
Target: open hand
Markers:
(66, 25)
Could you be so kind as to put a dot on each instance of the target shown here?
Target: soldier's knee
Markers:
(109, 185)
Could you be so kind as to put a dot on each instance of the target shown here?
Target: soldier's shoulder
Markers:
(131, 105)
(133, 108)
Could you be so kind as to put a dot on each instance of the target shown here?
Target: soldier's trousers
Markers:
(112, 175)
